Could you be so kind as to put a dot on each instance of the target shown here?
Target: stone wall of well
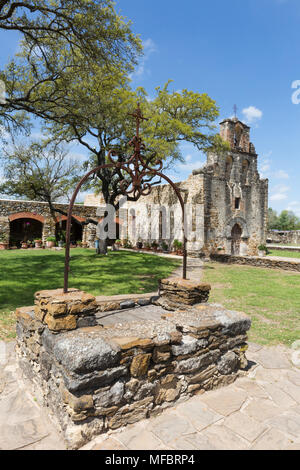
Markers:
(95, 379)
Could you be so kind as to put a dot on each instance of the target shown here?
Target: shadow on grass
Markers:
(24, 273)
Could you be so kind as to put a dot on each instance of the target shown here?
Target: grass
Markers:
(24, 272)
(270, 297)
(284, 254)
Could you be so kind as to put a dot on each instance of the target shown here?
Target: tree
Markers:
(89, 102)
(286, 220)
(59, 37)
(40, 173)
(272, 219)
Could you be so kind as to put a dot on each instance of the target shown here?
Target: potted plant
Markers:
(79, 243)
(117, 244)
(127, 243)
(262, 250)
(61, 237)
(154, 245)
(24, 244)
(4, 242)
(38, 243)
(165, 247)
(50, 242)
(178, 247)
(139, 244)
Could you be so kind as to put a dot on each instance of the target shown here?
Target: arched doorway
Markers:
(60, 231)
(25, 229)
(236, 236)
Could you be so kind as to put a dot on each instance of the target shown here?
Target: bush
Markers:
(177, 245)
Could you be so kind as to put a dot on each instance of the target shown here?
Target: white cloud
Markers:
(252, 114)
(278, 197)
(189, 166)
(294, 206)
(280, 193)
(281, 174)
(149, 47)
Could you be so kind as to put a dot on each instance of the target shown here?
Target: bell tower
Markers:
(237, 134)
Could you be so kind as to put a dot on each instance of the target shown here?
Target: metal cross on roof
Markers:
(235, 109)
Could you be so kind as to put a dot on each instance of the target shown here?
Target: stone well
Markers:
(96, 378)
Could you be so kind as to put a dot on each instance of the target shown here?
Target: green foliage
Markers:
(79, 99)
(262, 248)
(59, 39)
(177, 244)
(286, 220)
(38, 172)
(50, 239)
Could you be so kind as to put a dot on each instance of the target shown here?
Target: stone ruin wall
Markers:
(164, 196)
(41, 209)
(284, 237)
(95, 379)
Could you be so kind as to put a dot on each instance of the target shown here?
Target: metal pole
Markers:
(184, 261)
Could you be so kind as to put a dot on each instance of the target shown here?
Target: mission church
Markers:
(226, 207)
(226, 203)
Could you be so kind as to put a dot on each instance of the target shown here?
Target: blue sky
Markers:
(239, 52)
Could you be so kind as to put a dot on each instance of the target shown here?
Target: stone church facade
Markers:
(226, 203)
(226, 206)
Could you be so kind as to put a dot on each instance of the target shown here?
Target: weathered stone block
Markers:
(83, 352)
(139, 365)
(177, 293)
(78, 404)
(112, 396)
(61, 323)
(228, 363)
(161, 354)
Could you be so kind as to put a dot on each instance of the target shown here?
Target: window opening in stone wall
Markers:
(237, 202)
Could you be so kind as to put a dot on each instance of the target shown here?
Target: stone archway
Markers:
(25, 229)
(25, 226)
(236, 237)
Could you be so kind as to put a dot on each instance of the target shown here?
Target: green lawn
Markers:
(24, 272)
(284, 254)
(270, 297)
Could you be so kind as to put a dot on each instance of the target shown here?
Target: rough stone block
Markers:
(139, 365)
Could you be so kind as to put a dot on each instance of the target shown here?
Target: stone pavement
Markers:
(261, 410)
(23, 424)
